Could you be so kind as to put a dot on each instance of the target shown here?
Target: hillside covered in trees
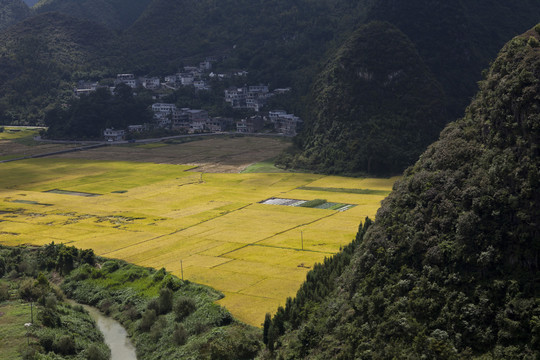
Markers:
(450, 268)
(375, 107)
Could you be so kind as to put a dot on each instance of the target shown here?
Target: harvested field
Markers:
(221, 154)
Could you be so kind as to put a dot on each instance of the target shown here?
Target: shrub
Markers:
(148, 319)
(46, 340)
(157, 329)
(110, 266)
(183, 307)
(4, 292)
(49, 317)
(159, 275)
(105, 306)
(171, 282)
(131, 313)
(95, 352)
(179, 335)
(165, 300)
(65, 345)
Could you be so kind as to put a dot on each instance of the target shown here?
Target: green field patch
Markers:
(119, 192)
(266, 166)
(30, 202)
(345, 190)
(13, 332)
(313, 204)
(75, 193)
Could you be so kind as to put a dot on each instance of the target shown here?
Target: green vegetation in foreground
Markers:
(13, 316)
(267, 166)
(167, 318)
(27, 296)
(344, 190)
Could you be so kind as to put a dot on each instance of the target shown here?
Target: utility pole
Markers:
(302, 237)
(182, 269)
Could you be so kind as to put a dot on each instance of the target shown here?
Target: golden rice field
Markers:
(210, 225)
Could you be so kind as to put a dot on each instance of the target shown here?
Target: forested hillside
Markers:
(40, 57)
(11, 12)
(375, 107)
(449, 269)
(114, 14)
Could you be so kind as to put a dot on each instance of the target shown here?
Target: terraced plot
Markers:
(210, 225)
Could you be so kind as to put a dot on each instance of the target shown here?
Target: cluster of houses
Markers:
(187, 120)
(198, 121)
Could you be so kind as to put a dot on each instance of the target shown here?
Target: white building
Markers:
(151, 83)
(114, 135)
(128, 79)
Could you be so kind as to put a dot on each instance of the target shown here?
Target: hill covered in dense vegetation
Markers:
(12, 12)
(376, 106)
(113, 14)
(40, 58)
(450, 268)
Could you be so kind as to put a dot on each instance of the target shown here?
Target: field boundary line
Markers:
(179, 230)
(282, 232)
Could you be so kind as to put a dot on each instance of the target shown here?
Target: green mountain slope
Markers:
(115, 14)
(273, 39)
(375, 108)
(457, 39)
(39, 58)
(450, 268)
(11, 12)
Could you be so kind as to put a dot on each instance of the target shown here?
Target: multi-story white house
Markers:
(128, 79)
(114, 135)
(252, 97)
(284, 123)
(151, 83)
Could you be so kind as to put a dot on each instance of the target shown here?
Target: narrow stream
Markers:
(115, 335)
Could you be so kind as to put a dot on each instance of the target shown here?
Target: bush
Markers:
(110, 266)
(183, 307)
(65, 345)
(95, 352)
(46, 340)
(148, 319)
(180, 335)
(159, 275)
(165, 300)
(157, 329)
(172, 282)
(49, 317)
(105, 306)
(4, 292)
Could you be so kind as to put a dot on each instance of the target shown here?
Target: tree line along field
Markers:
(210, 226)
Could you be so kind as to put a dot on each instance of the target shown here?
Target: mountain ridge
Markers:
(449, 268)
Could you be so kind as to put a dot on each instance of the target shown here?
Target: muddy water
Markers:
(115, 335)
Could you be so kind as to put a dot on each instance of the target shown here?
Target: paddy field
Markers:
(160, 206)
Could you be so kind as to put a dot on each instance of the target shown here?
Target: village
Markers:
(196, 121)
